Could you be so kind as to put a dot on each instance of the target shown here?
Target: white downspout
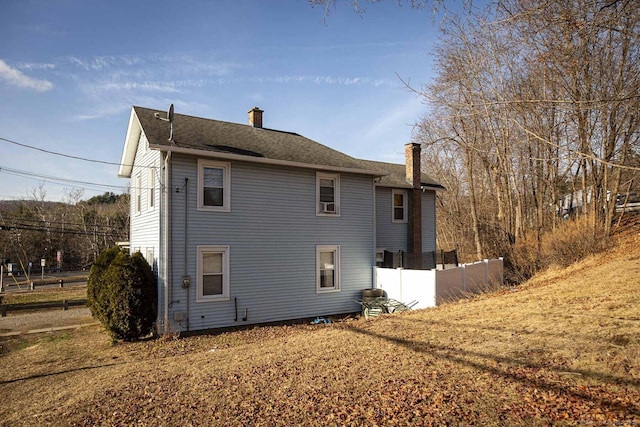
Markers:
(165, 239)
(375, 232)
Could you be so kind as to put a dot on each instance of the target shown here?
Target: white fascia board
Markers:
(130, 146)
(228, 156)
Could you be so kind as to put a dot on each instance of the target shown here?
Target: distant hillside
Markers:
(68, 236)
(12, 205)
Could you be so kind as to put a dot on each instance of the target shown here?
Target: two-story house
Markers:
(244, 224)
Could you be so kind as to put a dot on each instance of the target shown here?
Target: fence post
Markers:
(464, 277)
(65, 305)
(4, 310)
(486, 272)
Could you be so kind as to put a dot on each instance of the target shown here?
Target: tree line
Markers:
(533, 117)
(68, 235)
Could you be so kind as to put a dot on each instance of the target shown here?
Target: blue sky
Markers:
(70, 70)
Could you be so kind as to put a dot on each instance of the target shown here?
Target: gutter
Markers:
(424, 187)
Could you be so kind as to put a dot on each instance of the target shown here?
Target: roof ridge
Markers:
(221, 121)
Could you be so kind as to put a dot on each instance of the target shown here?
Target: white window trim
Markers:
(336, 268)
(151, 188)
(405, 207)
(226, 189)
(225, 273)
(336, 178)
(137, 192)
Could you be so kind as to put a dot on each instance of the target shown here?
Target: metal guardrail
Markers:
(61, 282)
(64, 304)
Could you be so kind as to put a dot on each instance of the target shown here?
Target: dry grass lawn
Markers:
(563, 349)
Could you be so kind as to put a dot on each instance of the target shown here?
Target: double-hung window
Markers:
(213, 273)
(137, 193)
(328, 193)
(151, 184)
(214, 186)
(328, 268)
(399, 213)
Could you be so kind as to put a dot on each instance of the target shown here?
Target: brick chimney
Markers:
(255, 117)
(413, 175)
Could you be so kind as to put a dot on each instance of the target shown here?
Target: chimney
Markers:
(413, 175)
(255, 117)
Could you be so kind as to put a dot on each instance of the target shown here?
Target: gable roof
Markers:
(209, 137)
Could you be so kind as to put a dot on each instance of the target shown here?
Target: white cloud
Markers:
(400, 116)
(318, 80)
(40, 66)
(139, 86)
(17, 78)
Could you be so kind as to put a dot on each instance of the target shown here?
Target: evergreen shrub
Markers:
(123, 295)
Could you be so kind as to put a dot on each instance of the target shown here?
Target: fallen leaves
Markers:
(548, 354)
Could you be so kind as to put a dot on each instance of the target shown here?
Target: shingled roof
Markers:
(234, 140)
(396, 175)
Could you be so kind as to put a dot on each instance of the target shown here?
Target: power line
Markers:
(69, 156)
(58, 154)
(54, 179)
(35, 221)
(4, 227)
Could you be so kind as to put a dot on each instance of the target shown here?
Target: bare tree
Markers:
(538, 100)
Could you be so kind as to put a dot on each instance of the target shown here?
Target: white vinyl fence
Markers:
(429, 287)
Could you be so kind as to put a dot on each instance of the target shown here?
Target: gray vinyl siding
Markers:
(145, 225)
(272, 232)
(428, 221)
(389, 235)
(393, 236)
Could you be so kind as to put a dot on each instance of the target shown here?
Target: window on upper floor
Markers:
(213, 273)
(328, 268)
(327, 193)
(399, 212)
(214, 186)
(137, 189)
(151, 182)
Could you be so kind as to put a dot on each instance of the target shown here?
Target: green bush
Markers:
(124, 295)
(97, 299)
